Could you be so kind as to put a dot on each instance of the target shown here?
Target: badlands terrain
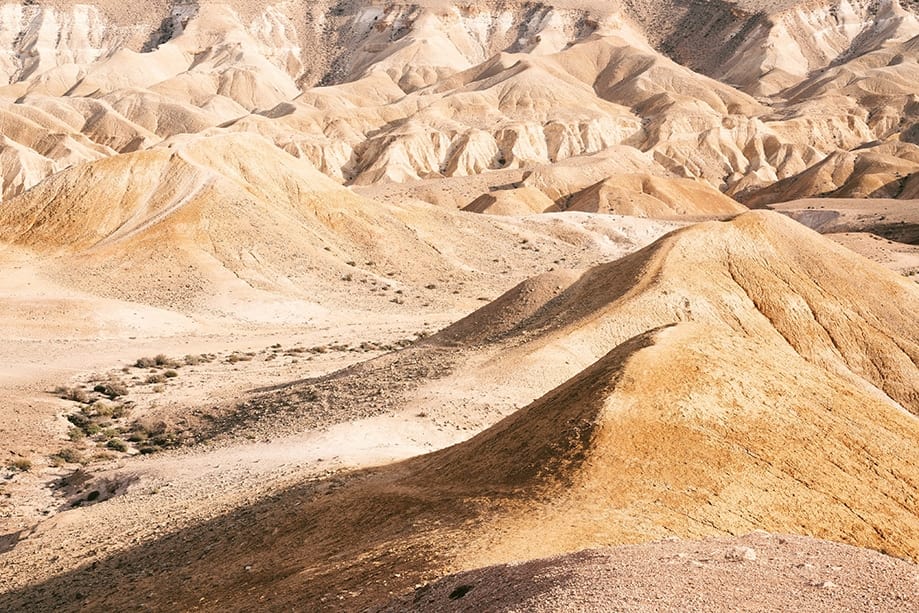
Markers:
(481, 306)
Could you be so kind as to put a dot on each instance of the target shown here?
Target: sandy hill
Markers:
(634, 195)
(517, 201)
(781, 337)
(198, 215)
(225, 222)
(764, 275)
(656, 197)
(880, 171)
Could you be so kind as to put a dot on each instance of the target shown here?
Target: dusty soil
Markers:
(757, 572)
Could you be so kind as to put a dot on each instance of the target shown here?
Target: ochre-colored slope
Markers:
(761, 275)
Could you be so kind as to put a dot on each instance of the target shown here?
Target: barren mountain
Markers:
(433, 89)
(306, 304)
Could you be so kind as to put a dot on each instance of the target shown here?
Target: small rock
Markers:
(739, 554)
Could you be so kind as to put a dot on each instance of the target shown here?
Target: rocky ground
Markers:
(757, 572)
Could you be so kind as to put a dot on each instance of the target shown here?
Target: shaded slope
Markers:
(607, 458)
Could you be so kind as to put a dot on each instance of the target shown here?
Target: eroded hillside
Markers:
(311, 304)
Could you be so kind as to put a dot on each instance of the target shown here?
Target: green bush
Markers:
(68, 455)
(117, 444)
(75, 394)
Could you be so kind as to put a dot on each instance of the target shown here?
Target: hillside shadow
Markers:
(291, 550)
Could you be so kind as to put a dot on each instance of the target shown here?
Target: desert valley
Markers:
(340, 305)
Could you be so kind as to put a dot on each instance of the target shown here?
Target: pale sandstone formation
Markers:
(434, 89)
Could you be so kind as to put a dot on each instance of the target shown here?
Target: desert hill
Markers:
(882, 171)
(202, 221)
(306, 304)
(409, 92)
(764, 275)
(606, 457)
(655, 197)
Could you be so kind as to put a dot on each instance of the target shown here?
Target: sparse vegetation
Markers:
(20, 464)
(74, 394)
(100, 409)
(117, 444)
(113, 388)
(101, 420)
(161, 360)
(67, 455)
